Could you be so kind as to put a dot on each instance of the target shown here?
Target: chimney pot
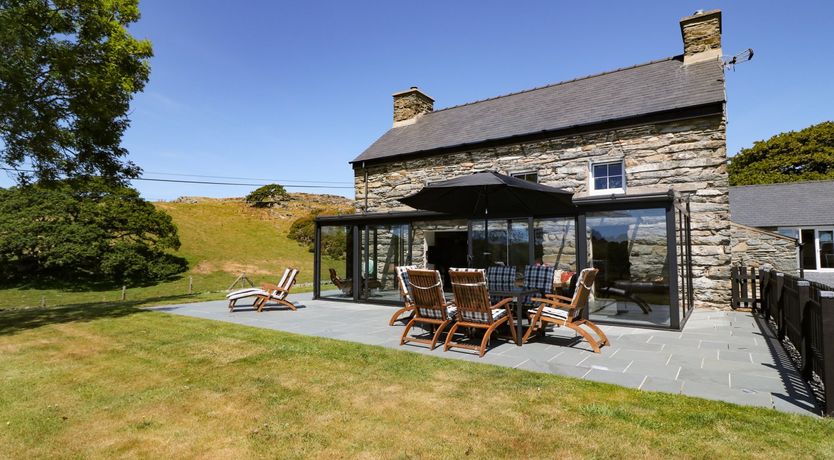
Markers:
(701, 34)
(409, 105)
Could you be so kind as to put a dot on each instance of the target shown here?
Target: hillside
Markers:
(221, 238)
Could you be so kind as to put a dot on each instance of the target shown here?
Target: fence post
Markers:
(190, 284)
(803, 296)
(778, 290)
(124, 293)
(734, 302)
(827, 316)
(764, 291)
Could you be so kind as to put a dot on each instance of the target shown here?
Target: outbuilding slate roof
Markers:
(644, 89)
(783, 205)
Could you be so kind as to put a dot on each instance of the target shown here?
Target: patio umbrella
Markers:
(485, 193)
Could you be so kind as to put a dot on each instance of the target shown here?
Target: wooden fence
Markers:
(803, 313)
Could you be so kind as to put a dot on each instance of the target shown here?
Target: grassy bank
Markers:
(102, 382)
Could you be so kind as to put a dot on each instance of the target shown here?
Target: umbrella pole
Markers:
(486, 221)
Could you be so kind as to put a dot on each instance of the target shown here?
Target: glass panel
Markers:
(518, 250)
(826, 238)
(808, 249)
(615, 169)
(555, 245)
(440, 245)
(493, 250)
(600, 183)
(629, 249)
(386, 247)
(615, 182)
(336, 263)
(600, 171)
(790, 232)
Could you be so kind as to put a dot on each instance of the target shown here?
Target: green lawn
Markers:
(220, 239)
(114, 381)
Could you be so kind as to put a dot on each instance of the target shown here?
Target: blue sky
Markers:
(295, 90)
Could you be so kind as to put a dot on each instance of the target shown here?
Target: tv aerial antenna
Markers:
(729, 62)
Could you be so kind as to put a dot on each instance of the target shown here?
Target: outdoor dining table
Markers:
(517, 293)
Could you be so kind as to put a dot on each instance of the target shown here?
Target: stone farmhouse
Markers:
(642, 149)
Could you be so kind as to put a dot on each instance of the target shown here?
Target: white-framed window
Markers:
(607, 178)
(817, 250)
(530, 176)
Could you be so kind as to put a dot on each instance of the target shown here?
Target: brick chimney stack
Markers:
(701, 36)
(409, 105)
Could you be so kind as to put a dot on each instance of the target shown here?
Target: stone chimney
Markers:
(701, 36)
(409, 105)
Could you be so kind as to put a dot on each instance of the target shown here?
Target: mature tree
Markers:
(267, 196)
(84, 230)
(68, 70)
(788, 157)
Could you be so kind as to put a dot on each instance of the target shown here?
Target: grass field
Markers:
(103, 382)
(220, 239)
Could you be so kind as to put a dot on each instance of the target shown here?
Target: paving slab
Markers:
(728, 356)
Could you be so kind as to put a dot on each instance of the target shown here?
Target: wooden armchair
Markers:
(405, 293)
(430, 306)
(474, 309)
(567, 311)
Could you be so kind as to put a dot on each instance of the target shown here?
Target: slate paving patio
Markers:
(721, 355)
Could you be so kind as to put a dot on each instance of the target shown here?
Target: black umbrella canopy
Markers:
(490, 193)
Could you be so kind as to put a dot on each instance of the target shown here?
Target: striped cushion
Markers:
(402, 278)
(246, 293)
(557, 313)
(482, 317)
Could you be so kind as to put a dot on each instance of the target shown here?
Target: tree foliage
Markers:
(85, 231)
(267, 196)
(788, 157)
(68, 70)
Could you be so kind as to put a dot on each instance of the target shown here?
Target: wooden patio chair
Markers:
(430, 306)
(268, 292)
(405, 292)
(474, 309)
(567, 311)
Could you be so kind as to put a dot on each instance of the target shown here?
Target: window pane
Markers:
(615, 181)
(826, 249)
(789, 232)
(615, 169)
(629, 248)
(600, 171)
(600, 183)
(809, 256)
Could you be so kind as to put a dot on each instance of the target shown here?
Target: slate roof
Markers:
(656, 86)
(783, 205)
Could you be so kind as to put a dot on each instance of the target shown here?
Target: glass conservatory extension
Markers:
(640, 244)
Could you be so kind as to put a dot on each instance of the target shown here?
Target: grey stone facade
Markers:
(686, 156)
(753, 247)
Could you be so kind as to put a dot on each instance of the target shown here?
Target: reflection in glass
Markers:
(384, 248)
(826, 238)
(507, 243)
(336, 263)
(629, 248)
(808, 248)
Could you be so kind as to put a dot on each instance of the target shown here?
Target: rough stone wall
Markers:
(409, 105)
(687, 155)
(759, 248)
(701, 33)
